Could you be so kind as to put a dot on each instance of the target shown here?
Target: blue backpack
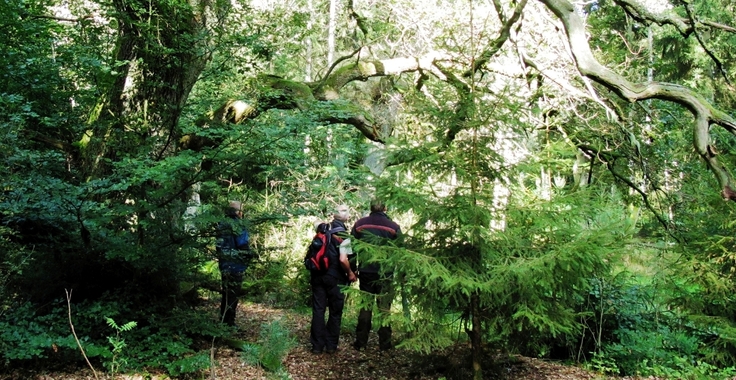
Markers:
(231, 247)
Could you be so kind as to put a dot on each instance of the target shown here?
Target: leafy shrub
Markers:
(169, 341)
(265, 280)
(641, 336)
(162, 339)
(642, 351)
(25, 336)
(189, 364)
(274, 343)
(602, 364)
(13, 260)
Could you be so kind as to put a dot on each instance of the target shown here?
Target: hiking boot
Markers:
(316, 351)
(358, 347)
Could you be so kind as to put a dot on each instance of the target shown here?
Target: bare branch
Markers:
(74, 333)
(365, 69)
(61, 19)
(497, 44)
(704, 113)
(276, 92)
(719, 65)
(716, 25)
(334, 64)
(641, 14)
(562, 82)
(685, 26)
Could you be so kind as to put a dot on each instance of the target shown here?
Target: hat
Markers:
(233, 208)
(236, 205)
(341, 213)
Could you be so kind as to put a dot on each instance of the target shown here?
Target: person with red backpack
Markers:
(329, 270)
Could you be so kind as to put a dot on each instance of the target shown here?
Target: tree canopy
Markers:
(531, 150)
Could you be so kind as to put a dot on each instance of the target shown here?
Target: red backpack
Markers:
(318, 259)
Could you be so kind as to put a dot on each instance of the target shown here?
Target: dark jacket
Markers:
(376, 228)
(233, 249)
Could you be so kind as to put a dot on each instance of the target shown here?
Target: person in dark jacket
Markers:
(376, 228)
(233, 253)
(326, 293)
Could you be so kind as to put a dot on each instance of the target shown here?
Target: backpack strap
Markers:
(335, 230)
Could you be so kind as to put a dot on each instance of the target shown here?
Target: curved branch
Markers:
(334, 64)
(503, 36)
(685, 26)
(641, 14)
(717, 25)
(321, 99)
(365, 69)
(704, 113)
(699, 38)
(58, 18)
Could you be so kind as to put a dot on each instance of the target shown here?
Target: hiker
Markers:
(326, 293)
(233, 254)
(376, 228)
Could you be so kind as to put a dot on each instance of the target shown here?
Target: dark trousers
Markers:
(373, 283)
(231, 284)
(326, 295)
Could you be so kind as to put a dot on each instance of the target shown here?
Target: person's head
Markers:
(341, 213)
(235, 209)
(377, 205)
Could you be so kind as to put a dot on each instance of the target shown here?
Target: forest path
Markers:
(372, 363)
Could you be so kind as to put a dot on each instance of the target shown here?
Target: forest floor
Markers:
(347, 363)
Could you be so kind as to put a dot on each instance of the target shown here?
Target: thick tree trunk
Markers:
(158, 66)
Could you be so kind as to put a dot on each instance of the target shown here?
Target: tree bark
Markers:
(475, 337)
(159, 57)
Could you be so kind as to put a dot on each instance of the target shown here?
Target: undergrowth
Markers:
(274, 343)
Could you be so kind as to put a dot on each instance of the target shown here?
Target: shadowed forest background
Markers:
(562, 173)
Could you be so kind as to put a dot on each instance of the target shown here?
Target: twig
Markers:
(334, 64)
(69, 308)
(213, 373)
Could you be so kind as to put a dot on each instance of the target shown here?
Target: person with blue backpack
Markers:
(327, 261)
(233, 254)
